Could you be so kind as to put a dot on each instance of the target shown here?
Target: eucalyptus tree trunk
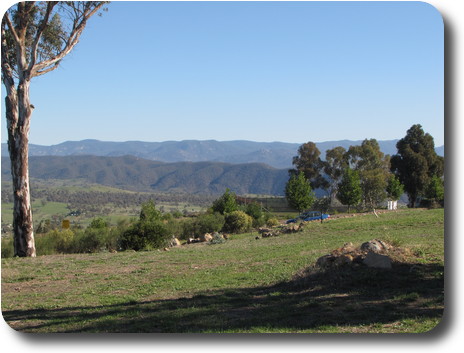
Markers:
(33, 42)
(18, 112)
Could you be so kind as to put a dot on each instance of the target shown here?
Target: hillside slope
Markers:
(139, 174)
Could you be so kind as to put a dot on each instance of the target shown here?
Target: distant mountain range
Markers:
(196, 167)
(275, 154)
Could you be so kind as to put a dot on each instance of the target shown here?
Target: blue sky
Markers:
(263, 71)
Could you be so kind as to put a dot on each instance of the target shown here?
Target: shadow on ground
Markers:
(312, 300)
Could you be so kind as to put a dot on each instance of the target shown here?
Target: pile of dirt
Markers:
(374, 253)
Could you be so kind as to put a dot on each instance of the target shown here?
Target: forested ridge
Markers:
(137, 174)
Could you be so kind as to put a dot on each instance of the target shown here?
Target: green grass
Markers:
(243, 285)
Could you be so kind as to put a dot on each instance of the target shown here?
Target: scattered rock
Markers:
(373, 253)
(377, 261)
(263, 230)
(375, 245)
(174, 242)
(205, 237)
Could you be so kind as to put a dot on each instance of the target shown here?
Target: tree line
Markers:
(363, 175)
(152, 229)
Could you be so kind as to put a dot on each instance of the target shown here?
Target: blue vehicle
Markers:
(309, 216)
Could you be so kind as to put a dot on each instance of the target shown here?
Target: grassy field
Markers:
(242, 285)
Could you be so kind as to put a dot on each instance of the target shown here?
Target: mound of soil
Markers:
(374, 253)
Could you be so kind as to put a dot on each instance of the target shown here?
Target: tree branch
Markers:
(7, 71)
(6, 18)
(48, 69)
(78, 27)
(40, 30)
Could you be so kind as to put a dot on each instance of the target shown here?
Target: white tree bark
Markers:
(17, 102)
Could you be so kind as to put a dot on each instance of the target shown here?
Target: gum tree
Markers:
(416, 162)
(35, 37)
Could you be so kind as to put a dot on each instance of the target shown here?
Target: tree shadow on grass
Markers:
(343, 297)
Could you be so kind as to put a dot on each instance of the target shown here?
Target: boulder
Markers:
(206, 237)
(174, 242)
(375, 245)
(293, 228)
(377, 261)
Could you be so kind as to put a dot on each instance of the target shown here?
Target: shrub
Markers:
(254, 210)
(98, 223)
(209, 223)
(217, 239)
(204, 223)
(145, 236)
(272, 222)
(55, 242)
(237, 222)
(90, 241)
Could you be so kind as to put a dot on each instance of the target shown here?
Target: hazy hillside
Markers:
(139, 174)
(275, 154)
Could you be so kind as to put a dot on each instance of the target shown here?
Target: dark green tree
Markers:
(336, 161)
(308, 162)
(299, 193)
(349, 188)
(227, 203)
(416, 162)
(255, 211)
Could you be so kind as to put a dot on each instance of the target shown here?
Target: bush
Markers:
(90, 241)
(217, 239)
(209, 223)
(237, 222)
(204, 223)
(98, 223)
(254, 210)
(145, 236)
(272, 222)
(149, 232)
